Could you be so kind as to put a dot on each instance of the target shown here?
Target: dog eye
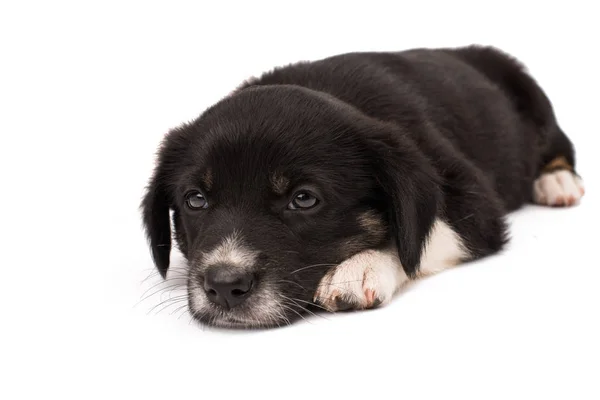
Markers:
(196, 201)
(303, 201)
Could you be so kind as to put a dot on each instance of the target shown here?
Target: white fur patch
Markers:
(372, 277)
(558, 188)
(363, 280)
(443, 250)
(231, 251)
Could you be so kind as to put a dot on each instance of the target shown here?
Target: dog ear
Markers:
(155, 211)
(158, 199)
(412, 189)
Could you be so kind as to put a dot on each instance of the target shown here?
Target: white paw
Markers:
(365, 280)
(558, 188)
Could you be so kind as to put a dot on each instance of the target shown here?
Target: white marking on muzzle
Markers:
(231, 251)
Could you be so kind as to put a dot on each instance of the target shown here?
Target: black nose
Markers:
(227, 286)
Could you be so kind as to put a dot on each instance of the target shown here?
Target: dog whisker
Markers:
(170, 275)
(171, 284)
(192, 317)
(178, 309)
(185, 310)
(281, 316)
(170, 300)
(182, 288)
(180, 296)
(312, 266)
(338, 283)
(293, 310)
(163, 281)
(295, 283)
(292, 303)
(293, 300)
(463, 218)
(152, 274)
(170, 304)
(282, 319)
(312, 304)
(160, 290)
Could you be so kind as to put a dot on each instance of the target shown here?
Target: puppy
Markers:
(332, 183)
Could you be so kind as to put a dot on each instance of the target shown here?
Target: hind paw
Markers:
(558, 189)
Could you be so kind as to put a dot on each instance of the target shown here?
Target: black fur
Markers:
(457, 134)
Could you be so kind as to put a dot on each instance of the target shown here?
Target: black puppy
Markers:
(337, 181)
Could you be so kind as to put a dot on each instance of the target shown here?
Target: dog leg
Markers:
(372, 277)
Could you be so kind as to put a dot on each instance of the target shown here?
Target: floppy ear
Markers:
(159, 195)
(155, 210)
(413, 196)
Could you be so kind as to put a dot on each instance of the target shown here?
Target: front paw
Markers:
(365, 280)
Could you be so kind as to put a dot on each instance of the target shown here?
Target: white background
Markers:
(88, 89)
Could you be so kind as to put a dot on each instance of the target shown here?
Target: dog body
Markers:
(332, 183)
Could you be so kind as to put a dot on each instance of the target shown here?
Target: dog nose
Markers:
(227, 286)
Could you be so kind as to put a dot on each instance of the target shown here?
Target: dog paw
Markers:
(366, 280)
(558, 188)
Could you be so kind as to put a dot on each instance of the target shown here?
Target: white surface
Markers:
(87, 92)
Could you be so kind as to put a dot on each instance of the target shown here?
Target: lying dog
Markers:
(333, 183)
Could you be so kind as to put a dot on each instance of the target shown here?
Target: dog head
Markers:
(273, 186)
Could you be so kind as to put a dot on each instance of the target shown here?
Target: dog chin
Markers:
(234, 323)
(265, 313)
